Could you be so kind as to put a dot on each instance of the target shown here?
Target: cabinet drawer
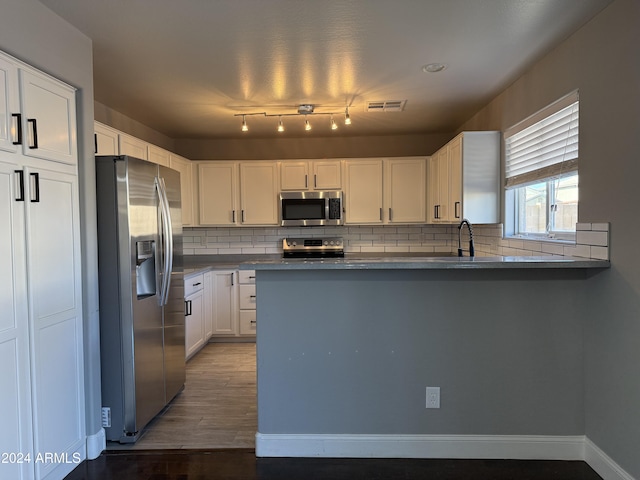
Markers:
(193, 284)
(248, 322)
(247, 276)
(247, 297)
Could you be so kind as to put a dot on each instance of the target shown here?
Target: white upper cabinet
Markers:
(37, 114)
(218, 193)
(158, 155)
(105, 139)
(363, 191)
(49, 123)
(9, 106)
(185, 167)
(404, 190)
(132, 146)
(258, 193)
(464, 179)
(311, 175)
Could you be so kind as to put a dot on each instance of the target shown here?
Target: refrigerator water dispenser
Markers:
(145, 268)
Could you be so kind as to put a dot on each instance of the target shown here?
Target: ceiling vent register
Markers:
(386, 106)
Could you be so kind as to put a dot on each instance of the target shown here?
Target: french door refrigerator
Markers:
(142, 349)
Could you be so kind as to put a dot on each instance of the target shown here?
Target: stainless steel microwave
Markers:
(310, 209)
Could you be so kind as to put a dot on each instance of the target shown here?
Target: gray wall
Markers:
(323, 147)
(117, 120)
(352, 351)
(602, 61)
(32, 33)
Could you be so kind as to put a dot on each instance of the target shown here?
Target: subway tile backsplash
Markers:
(592, 240)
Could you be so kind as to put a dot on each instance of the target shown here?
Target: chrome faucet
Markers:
(471, 249)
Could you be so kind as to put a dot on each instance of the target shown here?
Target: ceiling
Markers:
(185, 68)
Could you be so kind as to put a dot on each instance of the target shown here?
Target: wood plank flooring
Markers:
(216, 409)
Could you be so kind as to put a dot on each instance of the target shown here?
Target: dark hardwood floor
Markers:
(208, 433)
(241, 464)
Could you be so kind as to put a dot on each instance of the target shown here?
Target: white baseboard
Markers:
(602, 463)
(513, 447)
(96, 443)
(421, 446)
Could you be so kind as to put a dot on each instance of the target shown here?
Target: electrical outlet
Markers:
(433, 397)
(106, 417)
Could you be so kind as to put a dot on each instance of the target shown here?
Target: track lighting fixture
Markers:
(302, 110)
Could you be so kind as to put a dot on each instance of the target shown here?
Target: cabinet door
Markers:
(49, 123)
(294, 175)
(327, 175)
(133, 147)
(443, 206)
(207, 315)
(185, 167)
(225, 310)
(455, 179)
(194, 324)
(158, 155)
(54, 282)
(258, 193)
(106, 140)
(15, 385)
(432, 188)
(405, 190)
(363, 191)
(9, 109)
(218, 193)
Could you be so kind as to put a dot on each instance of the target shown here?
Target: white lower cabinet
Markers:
(247, 302)
(194, 314)
(234, 303)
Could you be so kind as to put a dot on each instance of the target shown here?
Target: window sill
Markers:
(544, 239)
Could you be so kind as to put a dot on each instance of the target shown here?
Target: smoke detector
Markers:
(386, 106)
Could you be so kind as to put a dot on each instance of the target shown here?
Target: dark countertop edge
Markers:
(428, 263)
(194, 265)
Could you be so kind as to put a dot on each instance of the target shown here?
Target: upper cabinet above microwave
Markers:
(303, 175)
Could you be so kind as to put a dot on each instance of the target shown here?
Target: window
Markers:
(541, 173)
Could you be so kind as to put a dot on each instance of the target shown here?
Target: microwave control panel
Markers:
(334, 208)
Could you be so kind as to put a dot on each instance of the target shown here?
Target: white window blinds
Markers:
(539, 149)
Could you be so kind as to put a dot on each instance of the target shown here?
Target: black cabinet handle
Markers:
(232, 279)
(252, 277)
(196, 284)
(187, 308)
(233, 216)
(252, 296)
(456, 208)
(95, 143)
(252, 321)
(34, 129)
(36, 178)
(18, 118)
(20, 185)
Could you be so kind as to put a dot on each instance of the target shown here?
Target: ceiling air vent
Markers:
(386, 106)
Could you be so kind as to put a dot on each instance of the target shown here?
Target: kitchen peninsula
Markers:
(347, 346)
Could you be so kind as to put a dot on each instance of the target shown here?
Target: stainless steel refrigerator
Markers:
(141, 286)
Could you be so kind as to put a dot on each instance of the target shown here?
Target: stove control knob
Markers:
(338, 242)
(295, 243)
(325, 243)
(331, 242)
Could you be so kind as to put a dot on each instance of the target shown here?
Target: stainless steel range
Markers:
(325, 247)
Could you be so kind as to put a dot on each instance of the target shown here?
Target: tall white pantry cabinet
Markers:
(41, 353)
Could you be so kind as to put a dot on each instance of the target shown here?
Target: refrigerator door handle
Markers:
(167, 240)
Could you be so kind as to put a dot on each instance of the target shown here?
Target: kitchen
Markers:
(599, 59)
